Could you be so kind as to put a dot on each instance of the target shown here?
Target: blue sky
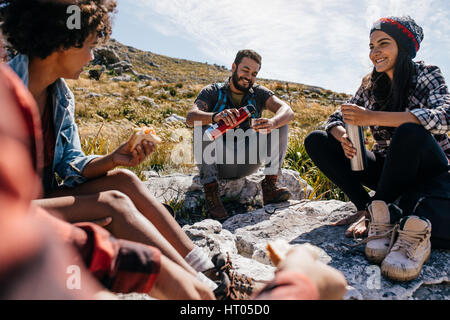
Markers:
(316, 42)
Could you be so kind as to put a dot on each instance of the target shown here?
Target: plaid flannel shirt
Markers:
(429, 101)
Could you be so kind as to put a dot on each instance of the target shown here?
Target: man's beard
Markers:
(235, 80)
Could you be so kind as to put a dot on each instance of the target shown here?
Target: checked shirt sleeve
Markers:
(336, 119)
(121, 266)
(435, 116)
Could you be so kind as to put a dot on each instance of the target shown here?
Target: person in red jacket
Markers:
(44, 247)
(93, 185)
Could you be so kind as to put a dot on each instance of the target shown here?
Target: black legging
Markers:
(413, 157)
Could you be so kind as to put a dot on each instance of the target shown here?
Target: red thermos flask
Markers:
(219, 129)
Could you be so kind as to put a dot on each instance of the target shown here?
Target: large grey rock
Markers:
(175, 117)
(147, 100)
(145, 77)
(210, 235)
(308, 222)
(124, 65)
(188, 189)
(106, 55)
(125, 78)
(94, 95)
(152, 64)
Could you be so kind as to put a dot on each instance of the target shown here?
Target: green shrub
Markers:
(298, 159)
(167, 112)
(128, 113)
(144, 121)
(103, 114)
(190, 94)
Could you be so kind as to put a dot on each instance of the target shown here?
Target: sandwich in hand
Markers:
(278, 250)
(141, 134)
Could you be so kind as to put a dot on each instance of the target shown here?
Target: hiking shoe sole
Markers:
(403, 274)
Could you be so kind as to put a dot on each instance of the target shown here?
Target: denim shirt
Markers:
(69, 160)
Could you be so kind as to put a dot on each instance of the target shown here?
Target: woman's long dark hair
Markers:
(393, 95)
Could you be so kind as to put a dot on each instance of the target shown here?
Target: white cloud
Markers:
(316, 42)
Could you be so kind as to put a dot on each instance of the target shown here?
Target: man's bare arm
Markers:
(283, 112)
(199, 113)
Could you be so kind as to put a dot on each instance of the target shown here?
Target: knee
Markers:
(125, 178)
(411, 128)
(117, 205)
(411, 133)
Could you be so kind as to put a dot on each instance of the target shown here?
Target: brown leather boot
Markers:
(213, 203)
(272, 194)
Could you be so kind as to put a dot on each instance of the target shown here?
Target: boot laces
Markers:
(380, 231)
(409, 242)
(241, 286)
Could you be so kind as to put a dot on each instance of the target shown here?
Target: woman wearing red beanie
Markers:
(406, 104)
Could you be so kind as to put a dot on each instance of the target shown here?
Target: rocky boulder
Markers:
(147, 100)
(146, 77)
(175, 117)
(125, 78)
(245, 237)
(121, 67)
(106, 55)
(188, 191)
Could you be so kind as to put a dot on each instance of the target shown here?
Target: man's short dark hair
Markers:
(38, 28)
(247, 54)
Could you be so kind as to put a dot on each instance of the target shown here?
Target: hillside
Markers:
(135, 87)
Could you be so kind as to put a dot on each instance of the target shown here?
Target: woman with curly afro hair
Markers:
(49, 52)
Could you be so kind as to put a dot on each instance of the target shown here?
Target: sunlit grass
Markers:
(107, 121)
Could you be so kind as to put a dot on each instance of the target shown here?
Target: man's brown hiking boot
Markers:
(213, 203)
(231, 285)
(272, 194)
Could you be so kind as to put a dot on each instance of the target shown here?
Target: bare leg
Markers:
(128, 183)
(127, 222)
(358, 227)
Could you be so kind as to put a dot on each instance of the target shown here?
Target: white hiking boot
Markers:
(381, 230)
(411, 250)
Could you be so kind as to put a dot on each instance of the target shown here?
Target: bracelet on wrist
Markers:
(213, 116)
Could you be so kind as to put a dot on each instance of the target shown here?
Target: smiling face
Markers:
(383, 52)
(72, 61)
(244, 75)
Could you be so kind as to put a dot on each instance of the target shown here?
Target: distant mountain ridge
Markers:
(174, 70)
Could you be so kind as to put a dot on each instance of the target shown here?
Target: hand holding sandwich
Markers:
(130, 154)
(304, 259)
(140, 145)
(122, 156)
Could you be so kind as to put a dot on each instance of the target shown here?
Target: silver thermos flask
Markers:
(356, 136)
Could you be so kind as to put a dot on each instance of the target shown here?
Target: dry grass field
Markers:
(108, 110)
